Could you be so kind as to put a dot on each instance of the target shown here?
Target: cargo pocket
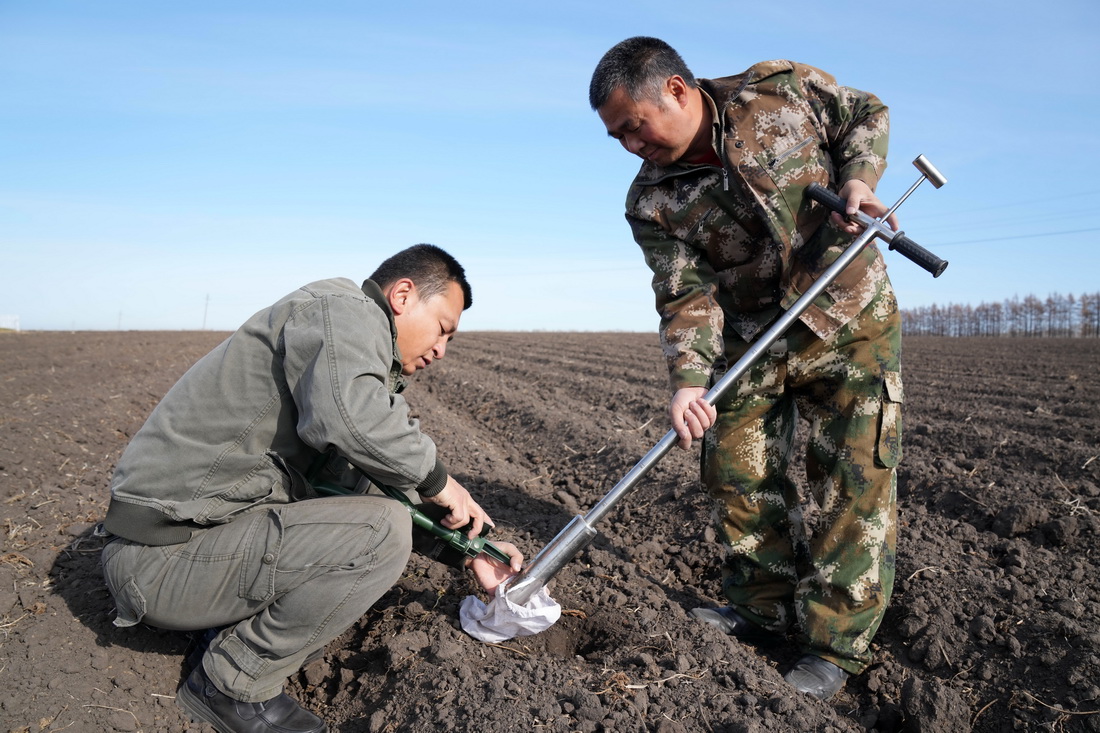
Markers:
(130, 605)
(889, 431)
(265, 540)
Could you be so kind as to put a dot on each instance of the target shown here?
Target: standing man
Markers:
(217, 525)
(720, 212)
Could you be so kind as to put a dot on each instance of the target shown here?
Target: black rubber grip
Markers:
(823, 195)
(900, 242)
(918, 254)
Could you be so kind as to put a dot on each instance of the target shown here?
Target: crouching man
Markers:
(217, 522)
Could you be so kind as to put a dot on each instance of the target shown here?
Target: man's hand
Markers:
(490, 573)
(860, 197)
(690, 414)
(462, 506)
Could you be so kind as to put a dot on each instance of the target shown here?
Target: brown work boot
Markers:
(205, 703)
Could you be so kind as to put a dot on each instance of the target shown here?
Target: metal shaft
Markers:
(579, 532)
(929, 172)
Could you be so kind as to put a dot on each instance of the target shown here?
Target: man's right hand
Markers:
(691, 415)
(860, 197)
(463, 508)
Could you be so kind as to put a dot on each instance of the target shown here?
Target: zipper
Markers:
(721, 130)
(788, 153)
(722, 142)
(699, 224)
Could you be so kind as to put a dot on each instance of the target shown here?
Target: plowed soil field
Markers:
(993, 626)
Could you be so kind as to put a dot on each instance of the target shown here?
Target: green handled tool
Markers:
(456, 539)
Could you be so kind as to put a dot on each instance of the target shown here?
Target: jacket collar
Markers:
(725, 90)
(719, 94)
(373, 292)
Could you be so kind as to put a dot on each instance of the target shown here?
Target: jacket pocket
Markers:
(790, 165)
(297, 487)
(888, 453)
(263, 544)
(781, 157)
(265, 483)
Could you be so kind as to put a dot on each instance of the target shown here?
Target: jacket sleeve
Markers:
(856, 125)
(338, 353)
(684, 286)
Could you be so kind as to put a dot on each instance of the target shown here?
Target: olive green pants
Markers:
(283, 581)
(834, 586)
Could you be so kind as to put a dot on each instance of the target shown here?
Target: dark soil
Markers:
(993, 626)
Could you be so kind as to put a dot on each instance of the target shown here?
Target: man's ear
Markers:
(678, 88)
(400, 295)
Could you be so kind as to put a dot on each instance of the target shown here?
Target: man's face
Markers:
(425, 326)
(660, 133)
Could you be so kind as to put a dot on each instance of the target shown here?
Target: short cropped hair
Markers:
(640, 65)
(429, 267)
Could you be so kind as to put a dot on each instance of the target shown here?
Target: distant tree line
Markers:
(1058, 315)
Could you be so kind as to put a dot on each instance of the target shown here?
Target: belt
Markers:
(146, 525)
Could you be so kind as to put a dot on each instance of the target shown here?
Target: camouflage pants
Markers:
(835, 584)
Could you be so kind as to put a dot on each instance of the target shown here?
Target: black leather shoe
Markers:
(207, 704)
(730, 622)
(816, 676)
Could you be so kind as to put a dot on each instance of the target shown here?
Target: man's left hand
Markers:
(490, 573)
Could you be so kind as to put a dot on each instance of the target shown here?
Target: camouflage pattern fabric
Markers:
(835, 584)
(730, 245)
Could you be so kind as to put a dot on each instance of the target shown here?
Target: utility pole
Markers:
(205, 311)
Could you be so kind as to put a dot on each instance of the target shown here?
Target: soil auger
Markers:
(580, 530)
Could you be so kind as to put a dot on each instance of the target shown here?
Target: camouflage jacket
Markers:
(730, 246)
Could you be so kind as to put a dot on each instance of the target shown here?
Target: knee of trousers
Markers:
(360, 532)
(395, 546)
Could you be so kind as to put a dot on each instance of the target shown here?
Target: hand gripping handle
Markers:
(898, 241)
(456, 539)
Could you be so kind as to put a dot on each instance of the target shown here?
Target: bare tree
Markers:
(1090, 315)
(1058, 315)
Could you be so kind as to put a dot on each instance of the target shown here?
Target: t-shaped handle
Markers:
(929, 171)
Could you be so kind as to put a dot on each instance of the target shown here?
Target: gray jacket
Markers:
(317, 373)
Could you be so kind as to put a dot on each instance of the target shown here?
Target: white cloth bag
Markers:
(502, 619)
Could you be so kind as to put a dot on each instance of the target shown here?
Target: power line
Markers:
(1018, 236)
(1025, 203)
(1003, 220)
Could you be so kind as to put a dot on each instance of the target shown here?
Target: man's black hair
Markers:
(429, 267)
(640, 65)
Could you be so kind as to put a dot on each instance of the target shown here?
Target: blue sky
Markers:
(181, 165)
